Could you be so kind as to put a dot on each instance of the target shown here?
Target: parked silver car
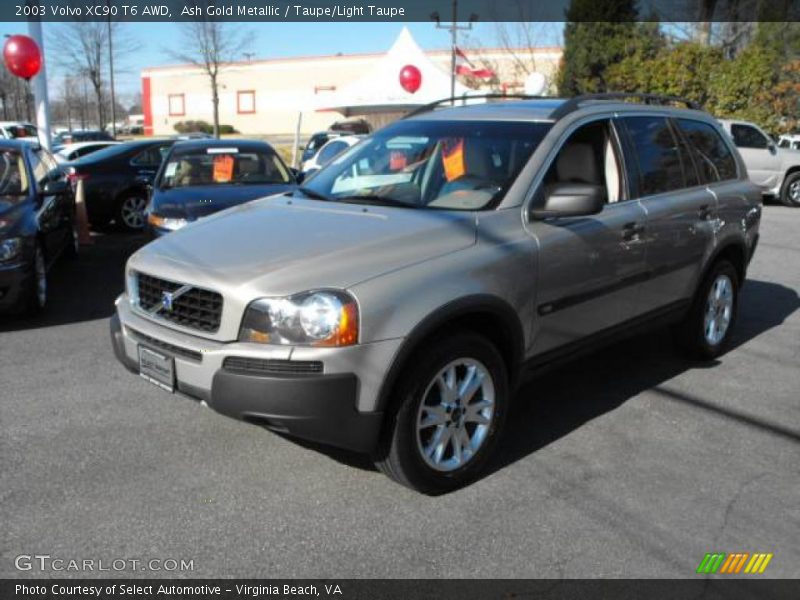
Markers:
(774, 168)
(393, 305)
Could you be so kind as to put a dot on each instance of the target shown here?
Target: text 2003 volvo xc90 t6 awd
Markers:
(392, 304)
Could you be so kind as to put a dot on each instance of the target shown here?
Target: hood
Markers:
(195, 202)
(281, 245)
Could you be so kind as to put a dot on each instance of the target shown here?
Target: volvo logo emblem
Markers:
(168, 299)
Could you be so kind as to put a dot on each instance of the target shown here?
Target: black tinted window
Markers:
(689, 170)
(655, 154)
(745, 136)
(714, 160)
(150, 157)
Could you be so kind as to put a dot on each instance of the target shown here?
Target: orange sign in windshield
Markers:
(223, 168)
(453, 158)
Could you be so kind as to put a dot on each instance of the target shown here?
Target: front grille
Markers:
(270, 366)
(171, 348)
(196, 308)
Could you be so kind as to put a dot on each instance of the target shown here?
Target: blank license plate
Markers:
(157, 368)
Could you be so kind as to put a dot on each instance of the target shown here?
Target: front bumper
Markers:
(326, 407)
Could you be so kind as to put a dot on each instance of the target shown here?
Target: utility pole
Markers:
(454, 28)
(39, 84)
(111, 74)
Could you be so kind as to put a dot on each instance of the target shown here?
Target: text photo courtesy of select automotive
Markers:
(449, 298)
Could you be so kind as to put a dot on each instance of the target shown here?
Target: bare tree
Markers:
(518, 39)
(16, 97)
(87, 56)
(209, 45)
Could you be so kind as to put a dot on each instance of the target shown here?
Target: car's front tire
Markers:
(447, 412)
(706, 331)
(790, 193)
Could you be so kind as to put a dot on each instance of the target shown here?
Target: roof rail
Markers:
(453, 99)
(575, 103)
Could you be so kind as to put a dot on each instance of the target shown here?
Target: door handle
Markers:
(704, 212)
(631, 231)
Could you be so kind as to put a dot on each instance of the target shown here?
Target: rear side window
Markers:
(151, 157)
(712, 155)
(745, 136)
(331, 151)
(655, 154)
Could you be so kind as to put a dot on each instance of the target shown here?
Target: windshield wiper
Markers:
(372, 199)
(312, 194)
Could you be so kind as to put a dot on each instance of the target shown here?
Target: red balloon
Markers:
(22, 56)
(410, 78)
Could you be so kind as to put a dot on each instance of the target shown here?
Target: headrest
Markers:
(576, 163)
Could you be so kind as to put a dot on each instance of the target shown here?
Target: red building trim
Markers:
(147, 106)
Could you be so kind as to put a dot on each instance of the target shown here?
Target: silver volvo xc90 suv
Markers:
(393, 303)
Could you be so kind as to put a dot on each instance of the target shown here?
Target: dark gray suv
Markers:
(392, 304)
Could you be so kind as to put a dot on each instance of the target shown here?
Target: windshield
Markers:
(13, 177)
(223, 166)
(458, 165)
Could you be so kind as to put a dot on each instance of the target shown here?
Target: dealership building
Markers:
(275, 96)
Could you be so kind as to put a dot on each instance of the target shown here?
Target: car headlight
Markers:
(318, 318)
(10, 249)
(165, 222)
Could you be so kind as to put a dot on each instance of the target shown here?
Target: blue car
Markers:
(37, 224)
(201, 177)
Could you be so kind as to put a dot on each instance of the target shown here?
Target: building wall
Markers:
(265, 97)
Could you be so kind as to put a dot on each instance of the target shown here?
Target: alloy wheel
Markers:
(794, 191)
(719, 310)
(455, 415)
(132, 212)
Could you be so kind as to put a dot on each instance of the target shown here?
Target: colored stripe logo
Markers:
(734, 563)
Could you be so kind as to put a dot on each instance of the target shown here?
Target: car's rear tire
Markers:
(73, 247)
(33, 297)
(790, 193)
(706, 331)
(130, 211)
(446, 414)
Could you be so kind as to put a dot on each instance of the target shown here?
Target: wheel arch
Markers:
(735, 252)
(483, 314)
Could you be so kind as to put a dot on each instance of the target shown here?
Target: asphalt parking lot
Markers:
(629, 463)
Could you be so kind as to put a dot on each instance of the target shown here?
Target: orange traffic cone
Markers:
(84, 237)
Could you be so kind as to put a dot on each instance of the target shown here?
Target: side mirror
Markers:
(55, 188)
(772, 147)
(571, 200)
